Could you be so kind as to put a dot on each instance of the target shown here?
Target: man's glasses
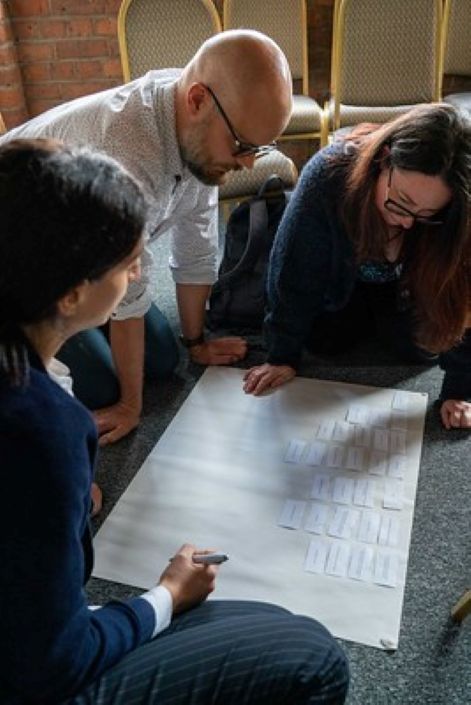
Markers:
(243, 149)
(398, 209)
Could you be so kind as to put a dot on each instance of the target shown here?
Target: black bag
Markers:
(238, 296)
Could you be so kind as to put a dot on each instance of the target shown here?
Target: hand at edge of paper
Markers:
(189, 583)
(219, 351)
(456, 414)
(262, 377)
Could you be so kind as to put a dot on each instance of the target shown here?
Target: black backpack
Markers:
(238, 296)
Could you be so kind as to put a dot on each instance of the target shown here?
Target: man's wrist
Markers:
(131, 403)
(191, 342)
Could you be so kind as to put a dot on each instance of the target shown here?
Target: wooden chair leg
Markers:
(462, 607)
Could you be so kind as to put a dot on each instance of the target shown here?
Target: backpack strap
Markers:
(271, 187)
(258, 225)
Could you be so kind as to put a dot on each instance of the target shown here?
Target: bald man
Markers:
(179, 132)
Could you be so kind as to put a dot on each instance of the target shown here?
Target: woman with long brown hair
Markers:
(377, 238)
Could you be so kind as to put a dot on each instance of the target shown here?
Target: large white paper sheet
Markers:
(219, 478)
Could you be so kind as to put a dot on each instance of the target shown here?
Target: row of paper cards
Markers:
(393, 417)
(369, 439)
(393, 440)
(342, 560)
(341, 522)
(362, 425)
(377, 461)
(363, 492)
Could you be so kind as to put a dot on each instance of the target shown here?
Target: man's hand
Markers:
(219, 351)
(456, 414)
(97, 499)
(115, 421)
(267, 376)
(189, 583)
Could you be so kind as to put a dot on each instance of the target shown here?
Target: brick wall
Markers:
(12, 98)
(64, 48)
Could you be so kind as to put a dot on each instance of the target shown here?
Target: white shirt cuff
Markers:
(161, 602)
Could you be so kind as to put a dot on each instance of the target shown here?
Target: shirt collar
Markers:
(165, 109)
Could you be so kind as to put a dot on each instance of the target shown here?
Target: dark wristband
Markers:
(191, 342)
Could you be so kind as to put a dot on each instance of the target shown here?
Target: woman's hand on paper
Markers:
(259, 379)
(189, 583)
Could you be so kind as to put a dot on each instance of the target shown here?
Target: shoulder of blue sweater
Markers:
(321, 160)
(41, 404)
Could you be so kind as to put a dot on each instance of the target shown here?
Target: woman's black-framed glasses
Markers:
(396, 208)
(243, 149)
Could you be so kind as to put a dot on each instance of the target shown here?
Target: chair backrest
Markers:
(284, 21)
(157, 34)
(386, 53)
(457, 37)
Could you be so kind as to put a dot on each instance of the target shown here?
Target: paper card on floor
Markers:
(397, 467)
(380, 417)
(335, 456)
(316, 453)
(364, 493)
(381, 439)
(355, 458)
(397, 441)
(337, 560)
(343, 523)
(399, 420)
(361, 563)
(358, 413)
(295, 451)
(362, 436)
(389, 530)
(342, 431)
(386, 567)
(377, 464)
(322, 487)
(393, 494)
(326, 429)
(369, 527)
(317, 518)
(316, 556)
(400, 401)
(292, 514)
(343, 490)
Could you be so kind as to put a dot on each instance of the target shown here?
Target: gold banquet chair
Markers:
(157, 34)
(462, 608)
(245, 183)
(286, 23)
(457, 47)
(386, 58)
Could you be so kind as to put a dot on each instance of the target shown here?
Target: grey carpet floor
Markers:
(432, 665)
